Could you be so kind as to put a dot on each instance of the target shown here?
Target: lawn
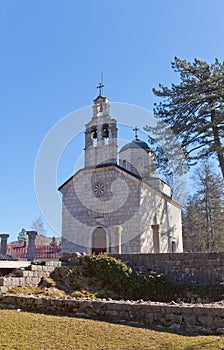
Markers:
(23, 331)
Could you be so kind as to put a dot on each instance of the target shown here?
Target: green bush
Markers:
(120, 279)
(152, 287)
(109, 271)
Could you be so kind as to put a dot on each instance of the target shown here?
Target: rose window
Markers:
(99, 189)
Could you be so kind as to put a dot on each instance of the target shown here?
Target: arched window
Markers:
(105, 131)
(124, 163)
(94, 135)
(174, 246)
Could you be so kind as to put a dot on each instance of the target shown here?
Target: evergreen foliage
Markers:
(22, 236)
(194, 109)
(170, 159)
(203, 217)
(102, 276)
(118, 277)
(54, 242)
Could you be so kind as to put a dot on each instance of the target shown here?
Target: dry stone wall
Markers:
(191, 317)
(205, 318)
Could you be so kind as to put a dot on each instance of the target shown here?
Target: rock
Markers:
(220, 331)
(175, 326)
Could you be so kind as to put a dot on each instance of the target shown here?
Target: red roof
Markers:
(19, 251)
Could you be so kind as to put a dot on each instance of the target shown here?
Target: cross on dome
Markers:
(136, 132)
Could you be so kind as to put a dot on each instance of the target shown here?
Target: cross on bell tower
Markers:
(101, 86)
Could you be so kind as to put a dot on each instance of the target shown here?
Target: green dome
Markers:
(136, 144)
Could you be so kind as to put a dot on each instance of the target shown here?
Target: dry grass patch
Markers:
(40, 291)
(25, 331)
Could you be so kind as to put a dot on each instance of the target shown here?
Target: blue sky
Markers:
(52, 54)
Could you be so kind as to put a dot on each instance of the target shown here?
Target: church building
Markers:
(116, 203)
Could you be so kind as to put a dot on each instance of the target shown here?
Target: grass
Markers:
(25, 331)
(40, 291)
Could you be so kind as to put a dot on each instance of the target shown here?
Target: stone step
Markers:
(29, 274)
(13, 264)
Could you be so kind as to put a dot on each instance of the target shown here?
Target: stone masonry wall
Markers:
(126, 202)
(30, 276)
(198, 318)
(192, 268)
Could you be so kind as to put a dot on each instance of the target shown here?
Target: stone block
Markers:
(149, 317)
(220, 330)
(205, 320)
(3, 289)
(34, 267)
(7, 281)
(19, 273)
(25, 273)
(189, 319)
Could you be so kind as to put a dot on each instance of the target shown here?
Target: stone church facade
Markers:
(116, 203)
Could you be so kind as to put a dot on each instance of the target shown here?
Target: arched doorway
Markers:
(99, 242)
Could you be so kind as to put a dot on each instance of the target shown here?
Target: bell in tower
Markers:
(105, 131)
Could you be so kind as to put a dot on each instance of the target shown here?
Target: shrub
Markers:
(110, 271)
(120, 279)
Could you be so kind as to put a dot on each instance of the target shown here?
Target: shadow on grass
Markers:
(158, 328)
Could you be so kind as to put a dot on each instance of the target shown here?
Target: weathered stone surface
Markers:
(201, 268)
(210, 320)
(31, 245)
(128, 201)
(31, 277)
(3, 244)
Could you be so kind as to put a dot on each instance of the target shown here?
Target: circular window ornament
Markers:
(99, 189)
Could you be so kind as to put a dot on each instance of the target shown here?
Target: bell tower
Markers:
(101, 134)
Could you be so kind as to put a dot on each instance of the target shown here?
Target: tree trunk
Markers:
(217, 142)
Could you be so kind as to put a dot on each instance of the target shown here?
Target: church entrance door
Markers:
(99, 241)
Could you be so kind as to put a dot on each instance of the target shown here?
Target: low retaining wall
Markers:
(187, 268)
(199, 318)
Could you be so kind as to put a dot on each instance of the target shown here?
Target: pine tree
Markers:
(203, 217)
(194, 109)
(170, 159)
(22, 236)
(54, 242)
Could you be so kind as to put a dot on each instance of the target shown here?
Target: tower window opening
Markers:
(105, 131)
(94, 136)
(125, 164)
(174, 246)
